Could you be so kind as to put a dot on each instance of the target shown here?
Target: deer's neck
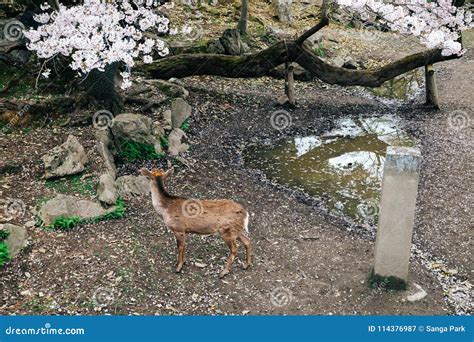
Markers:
(159, 196)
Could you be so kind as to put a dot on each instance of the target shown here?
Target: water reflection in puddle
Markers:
(400, 88)
(343, 167)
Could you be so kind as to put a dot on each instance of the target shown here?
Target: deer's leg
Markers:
(181, 244)
(232, 244)
(248, 249)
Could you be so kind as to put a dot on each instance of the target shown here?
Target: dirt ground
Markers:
(305, 261)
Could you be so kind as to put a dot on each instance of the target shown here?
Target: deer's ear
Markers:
(169, 173)
(145, 172)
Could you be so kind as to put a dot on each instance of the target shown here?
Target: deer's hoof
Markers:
(178, 269)
(224, 273)
(247, 266)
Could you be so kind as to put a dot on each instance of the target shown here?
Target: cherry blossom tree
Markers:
(96, 35)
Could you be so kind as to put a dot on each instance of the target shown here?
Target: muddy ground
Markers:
(313, 263)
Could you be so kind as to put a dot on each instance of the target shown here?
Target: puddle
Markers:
(342, 167)
(403, 87)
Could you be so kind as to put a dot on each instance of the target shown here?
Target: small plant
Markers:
(132, 151)
(73, 184)
(3, 235)
(389, 283)
(164, 142)
(4, 253)
(65, 223)
(185, 126)
(320, 50)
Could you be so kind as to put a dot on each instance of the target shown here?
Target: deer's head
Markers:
(156, 174)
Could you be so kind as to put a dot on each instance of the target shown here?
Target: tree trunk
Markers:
(290, 84)
(244, 18)
(100, 85)
(431, 87)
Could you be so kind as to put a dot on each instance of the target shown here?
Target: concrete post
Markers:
(396, 217)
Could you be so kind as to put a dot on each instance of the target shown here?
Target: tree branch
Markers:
(261, 63)
(300, 40)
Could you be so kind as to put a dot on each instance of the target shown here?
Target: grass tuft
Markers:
(386, 283)
(73, 184)
(131, 151)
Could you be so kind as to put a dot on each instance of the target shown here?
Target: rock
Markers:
(67, 206)
(175, 145)
(157, 130)
(180, 111)
(418, 295)
(169, 89)
(200, 264)
(215, 46)
(66, 159)
(105, 137)
(108, 159)
(232, 42)
(16, 240)
(30, 224)
(135, 127)
(107, 190)
(167, 119)
(283, 10)
(129, 186)
(350, 64)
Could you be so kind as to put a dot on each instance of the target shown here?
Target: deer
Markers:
(206, 217)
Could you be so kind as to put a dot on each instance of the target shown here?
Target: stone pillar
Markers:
(396, 217)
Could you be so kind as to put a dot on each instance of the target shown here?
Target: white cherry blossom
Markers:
(96, 34)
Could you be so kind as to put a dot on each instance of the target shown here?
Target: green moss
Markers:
(320, 50)
(73, 184)
(164, 142)
(388, 283)
(4, 254)
(68, 223)
(3, 235)
(185, 126)
(131, 151)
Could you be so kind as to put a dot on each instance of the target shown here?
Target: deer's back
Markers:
(205, 216)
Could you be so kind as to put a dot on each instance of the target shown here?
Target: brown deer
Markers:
(183, 216)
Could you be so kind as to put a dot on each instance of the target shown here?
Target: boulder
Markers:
(108, 159)
(282, 10)
(135, 127)
(180, 111)
(67, 206)
(167, 119)
(66, 159)
(129, 186)
(175, 144)
(169, 89)
(107, 190)
(232, 42)
(16, 239)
